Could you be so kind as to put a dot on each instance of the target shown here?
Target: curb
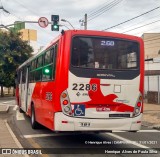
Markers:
(3, 109)
(156, 127)
(14, 137)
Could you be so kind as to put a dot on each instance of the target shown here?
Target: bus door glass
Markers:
(24, 88)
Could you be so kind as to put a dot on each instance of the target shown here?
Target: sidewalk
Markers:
(151, 115)
(8, 139)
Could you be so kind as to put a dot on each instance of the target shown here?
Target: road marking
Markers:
(127, 140)
(60, 134)
(44, 135)
(19, 116)
(37, 135)
(6, 102)
(154, 130)
(15, 107)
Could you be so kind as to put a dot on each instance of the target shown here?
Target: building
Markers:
(29, 35)
(152, 80)
(151, 45)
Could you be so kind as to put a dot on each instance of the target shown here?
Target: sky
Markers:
(112, 12)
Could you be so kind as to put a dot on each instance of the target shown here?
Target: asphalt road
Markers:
(86, 144)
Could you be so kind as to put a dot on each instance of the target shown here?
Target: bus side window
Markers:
(31, 68)
(52, 54)
(47, 68)
(47, 73)
(31, 77)
(47, 58)
(38, 75)
(39, 62)
(54, 51)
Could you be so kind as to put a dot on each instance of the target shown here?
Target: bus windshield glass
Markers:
(104, 53)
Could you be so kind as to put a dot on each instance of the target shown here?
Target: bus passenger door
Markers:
(24, 88)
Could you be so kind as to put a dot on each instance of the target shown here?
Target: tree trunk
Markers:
(2, 93)
(8, 90)
(13, 91)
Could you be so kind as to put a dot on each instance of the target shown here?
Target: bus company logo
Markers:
(79, 110)
(106, 75)
(122, 101)
(78, 94)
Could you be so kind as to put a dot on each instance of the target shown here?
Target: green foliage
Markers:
(13, 52)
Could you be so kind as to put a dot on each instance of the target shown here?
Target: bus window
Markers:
(54, 60)
(38, 75)
(47, 73)
(31, 76)
(47, 58)
(39, 62)
(104, 53)
(52, 54)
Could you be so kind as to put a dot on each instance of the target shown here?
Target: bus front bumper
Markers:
(66, 123)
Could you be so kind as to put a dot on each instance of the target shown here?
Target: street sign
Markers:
(43, 22)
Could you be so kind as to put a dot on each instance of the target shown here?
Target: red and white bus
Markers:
(84, 81)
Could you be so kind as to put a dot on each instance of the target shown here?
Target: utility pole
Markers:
(85, 21)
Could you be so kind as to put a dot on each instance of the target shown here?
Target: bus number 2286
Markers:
(83, 87)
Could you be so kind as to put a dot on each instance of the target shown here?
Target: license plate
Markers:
(84, 124)
(103, 109)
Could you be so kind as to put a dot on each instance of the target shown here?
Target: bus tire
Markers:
(34, 124)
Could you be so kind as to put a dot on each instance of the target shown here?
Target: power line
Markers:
(100, 6)
(132, 18)
(98, 12)
(142, 21)
(147, 31)
(141, 26)
(93, 11)
(101, 9)
(108, 7)
(27, 8)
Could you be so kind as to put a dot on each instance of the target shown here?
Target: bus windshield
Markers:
(104, 53)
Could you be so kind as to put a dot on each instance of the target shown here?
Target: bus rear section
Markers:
(105, 84)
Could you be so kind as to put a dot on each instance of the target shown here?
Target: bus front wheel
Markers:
(34, 124)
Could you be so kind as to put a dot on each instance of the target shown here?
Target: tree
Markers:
(13, 52)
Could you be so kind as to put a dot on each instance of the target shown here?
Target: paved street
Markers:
(44, 138)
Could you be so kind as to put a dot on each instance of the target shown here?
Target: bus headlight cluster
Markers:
(65, 103)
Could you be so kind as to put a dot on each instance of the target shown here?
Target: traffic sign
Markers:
(43, 22)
